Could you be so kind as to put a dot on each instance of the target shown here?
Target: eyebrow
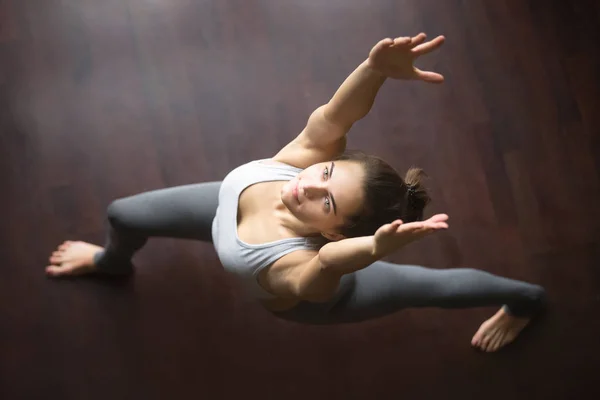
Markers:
(332, 199)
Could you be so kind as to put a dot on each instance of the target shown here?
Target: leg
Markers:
(181, 212)
(384, 288)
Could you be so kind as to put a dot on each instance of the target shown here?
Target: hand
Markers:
(395, 58)
(393, 236)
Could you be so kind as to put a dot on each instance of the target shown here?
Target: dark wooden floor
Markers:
(104, 99)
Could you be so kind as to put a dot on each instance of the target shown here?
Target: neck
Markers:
(290, 223)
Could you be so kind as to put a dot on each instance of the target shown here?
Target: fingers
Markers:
(439, 217)
(416, 43)
(402, 41)
(410, 42)
(428, 76)
(419, 228)
(428, 47)
(424, 227)
(437, 221)
(427, 229)
(393, 227)
(417, 40)
(383, 43)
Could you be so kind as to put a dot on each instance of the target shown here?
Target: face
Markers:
(324, 195)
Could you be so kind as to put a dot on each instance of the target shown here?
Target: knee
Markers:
(118, 213)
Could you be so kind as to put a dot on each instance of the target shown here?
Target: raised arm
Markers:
(324, 136)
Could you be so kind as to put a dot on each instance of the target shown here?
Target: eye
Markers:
(326, 172)
(327, 204)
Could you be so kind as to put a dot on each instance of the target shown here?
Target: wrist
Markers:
(374, 252)
(368, 66)
(380, 250)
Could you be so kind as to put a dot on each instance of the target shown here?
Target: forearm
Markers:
(349, 255)
(355, 97)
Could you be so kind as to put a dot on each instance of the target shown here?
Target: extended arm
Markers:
(351, 102)
(317, 279)
(324, 136)
(349, 255)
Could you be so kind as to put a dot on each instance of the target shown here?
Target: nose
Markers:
(314, 189)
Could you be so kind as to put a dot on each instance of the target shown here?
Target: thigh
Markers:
(182, 212)
(384, 288)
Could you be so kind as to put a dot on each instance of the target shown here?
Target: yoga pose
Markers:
(305, 230)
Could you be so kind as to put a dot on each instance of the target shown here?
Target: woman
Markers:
(305, 230)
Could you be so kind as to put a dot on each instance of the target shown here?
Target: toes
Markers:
(495, 345)
(66, 244)
(492, 344)
(490, 341)
(54, 270)
(495, 342)
(55, 259)
(503, 340)
(476, 341)
(485, 345)
(57, 256)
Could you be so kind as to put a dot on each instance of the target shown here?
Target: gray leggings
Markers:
(380, 289)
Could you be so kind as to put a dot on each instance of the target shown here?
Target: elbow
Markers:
(335, 116)
(318, 286)
(326, 257)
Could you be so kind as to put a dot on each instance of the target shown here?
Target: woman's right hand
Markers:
(395, 58)
(391, 237)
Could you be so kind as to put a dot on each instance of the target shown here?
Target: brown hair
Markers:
(387, 196)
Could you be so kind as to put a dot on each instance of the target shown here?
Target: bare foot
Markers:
(73, 258)
(498, 331)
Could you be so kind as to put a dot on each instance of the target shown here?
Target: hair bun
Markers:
(417, 197)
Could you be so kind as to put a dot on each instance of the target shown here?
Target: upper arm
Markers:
(314, 282)
(321, 140)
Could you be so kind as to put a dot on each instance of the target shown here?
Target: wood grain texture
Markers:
(105, 99)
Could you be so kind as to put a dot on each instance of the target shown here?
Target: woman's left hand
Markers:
(393, 236)
(394, 58)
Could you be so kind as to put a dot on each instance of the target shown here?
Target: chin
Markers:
(289, 201)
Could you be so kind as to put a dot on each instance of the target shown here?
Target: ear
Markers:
(333, 236)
